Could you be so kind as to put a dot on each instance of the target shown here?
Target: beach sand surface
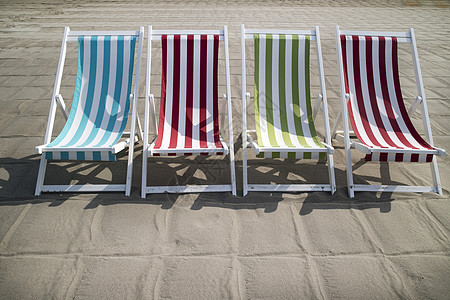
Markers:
(216, 246)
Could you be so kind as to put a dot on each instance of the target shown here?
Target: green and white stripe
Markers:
(283, 113)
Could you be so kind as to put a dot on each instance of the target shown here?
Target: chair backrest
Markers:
(189, 115)
(376, 108)
(101, 102)
(283, 113)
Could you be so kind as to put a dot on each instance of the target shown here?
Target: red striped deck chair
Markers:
(284, 117)
(372, 100)
(100, 107)
(189, 109)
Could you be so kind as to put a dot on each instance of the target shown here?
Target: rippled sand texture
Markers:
(212, 246)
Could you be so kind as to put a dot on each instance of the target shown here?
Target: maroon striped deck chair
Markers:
(189, 108)
(372, 100)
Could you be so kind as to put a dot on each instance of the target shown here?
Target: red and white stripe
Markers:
(377, 112)
(189, 115)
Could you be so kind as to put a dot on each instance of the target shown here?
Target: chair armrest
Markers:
(441, 152)
(329, 147)
(224, 106)
(413, 106)
(317, 105)
(62, 106)
(151, 99)
(38, 149)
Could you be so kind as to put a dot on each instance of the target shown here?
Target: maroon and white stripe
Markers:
(376, 108)
(189, 115)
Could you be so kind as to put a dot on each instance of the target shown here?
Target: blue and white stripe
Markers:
(101, 104)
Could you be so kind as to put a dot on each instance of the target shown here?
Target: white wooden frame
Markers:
(57, 100)
(247, 140)
(344, 136)
(155, 35)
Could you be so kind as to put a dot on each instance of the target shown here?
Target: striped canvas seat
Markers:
(100, 106)
(284, 118)
(376, 109)
(189, 113)
(101, 102)
(189, 116)
(283, 113)
(372, 100)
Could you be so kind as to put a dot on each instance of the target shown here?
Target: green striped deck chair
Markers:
(100, 107)
(284, 117)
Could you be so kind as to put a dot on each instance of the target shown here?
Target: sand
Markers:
(216, 246)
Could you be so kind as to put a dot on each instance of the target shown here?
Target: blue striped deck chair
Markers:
(100, 108)
(284, 117)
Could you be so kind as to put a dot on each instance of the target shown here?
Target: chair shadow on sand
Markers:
(362, 200)
(289, 172)
(18, 179)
